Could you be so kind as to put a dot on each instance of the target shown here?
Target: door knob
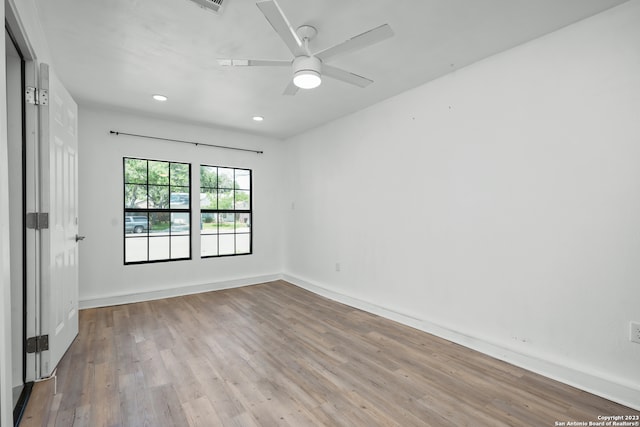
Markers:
(79, 238)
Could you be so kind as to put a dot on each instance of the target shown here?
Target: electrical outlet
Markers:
(338, 266)
(634, 332)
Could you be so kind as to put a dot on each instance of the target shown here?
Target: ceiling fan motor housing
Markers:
(307, 63)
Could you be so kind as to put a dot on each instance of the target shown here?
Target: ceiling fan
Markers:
(308, 68)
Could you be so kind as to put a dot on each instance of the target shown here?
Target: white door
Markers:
(59, 197)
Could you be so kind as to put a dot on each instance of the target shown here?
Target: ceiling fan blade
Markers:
(345, 76)
(253, 63)
(358, 42)
(291, 89)
(281, 25)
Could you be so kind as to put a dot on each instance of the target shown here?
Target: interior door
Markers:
(59, 198)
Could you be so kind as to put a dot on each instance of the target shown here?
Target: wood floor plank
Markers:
(38, 415)
(276, 355)
(200, 413)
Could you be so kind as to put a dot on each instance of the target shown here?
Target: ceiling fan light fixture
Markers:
(306, 72)
(307, 79)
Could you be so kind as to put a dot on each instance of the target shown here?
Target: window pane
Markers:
(227, 244)
(209, 245)
(180, 224)
(179, 198)
(158, 173)
(179, 174)
(135, 248)
(225, 199)
(243, 243)
(180, 247)
(243, 179)
(225, 178)
(243, 223)
(209, 199)
(136, 223)
(209, 223)
(226, 223)
(208, 176)
(135, 171)
(135, 196)
(159, 223)
(158, 248)
(158, 197)
(242, 200)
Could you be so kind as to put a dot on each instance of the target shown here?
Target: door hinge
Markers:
(36, 96)
(38, 344)
(37, 220)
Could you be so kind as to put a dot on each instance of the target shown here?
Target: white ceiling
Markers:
(120, 52)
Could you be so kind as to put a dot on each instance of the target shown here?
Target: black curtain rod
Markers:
(113, 132)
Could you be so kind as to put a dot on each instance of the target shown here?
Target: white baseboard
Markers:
(128, 298)
(625, 394)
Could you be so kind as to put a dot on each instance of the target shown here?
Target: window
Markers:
(225, 211)
(157, 211)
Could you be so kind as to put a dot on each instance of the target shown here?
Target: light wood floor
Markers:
(274, 354)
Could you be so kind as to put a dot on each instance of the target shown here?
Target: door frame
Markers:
(32, 190)
(30, 255)
(16, 104)
(31, 203)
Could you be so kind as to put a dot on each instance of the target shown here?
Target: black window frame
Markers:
(233, 211)
(147, 211)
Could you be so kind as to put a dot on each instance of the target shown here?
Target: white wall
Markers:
(103, 277)
(497, 206)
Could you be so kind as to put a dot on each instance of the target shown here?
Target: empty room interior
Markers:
(320, 212)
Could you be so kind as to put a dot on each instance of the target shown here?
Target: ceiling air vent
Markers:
(213, 5)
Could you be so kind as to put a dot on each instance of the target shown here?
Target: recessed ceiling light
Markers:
(161, 98)
(258, 118)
